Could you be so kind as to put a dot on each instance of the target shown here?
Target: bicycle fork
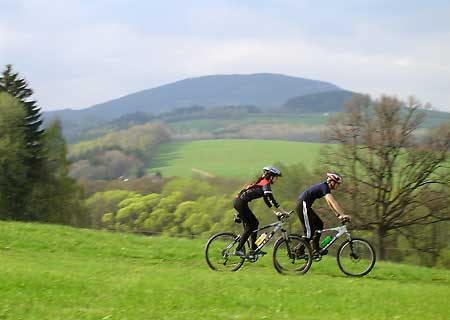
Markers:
(291, 251)
(226, 252)
(353, 254)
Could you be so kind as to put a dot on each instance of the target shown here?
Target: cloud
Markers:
(76, 54)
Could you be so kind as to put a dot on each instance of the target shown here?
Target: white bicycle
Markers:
(355, 256)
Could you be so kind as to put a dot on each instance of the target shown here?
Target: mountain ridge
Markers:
(265, 90)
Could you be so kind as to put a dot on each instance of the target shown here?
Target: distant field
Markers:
(210, 125)
(55, 272)
(314, 121)
(231, 158)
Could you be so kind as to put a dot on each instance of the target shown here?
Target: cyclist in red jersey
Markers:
(261, 188)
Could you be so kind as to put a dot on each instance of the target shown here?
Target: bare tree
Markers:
(388, 164)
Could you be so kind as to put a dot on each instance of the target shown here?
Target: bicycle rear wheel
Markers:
(356, 257)
(219, 252)
(292, 256)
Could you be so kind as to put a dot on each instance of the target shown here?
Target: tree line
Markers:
(125, 153)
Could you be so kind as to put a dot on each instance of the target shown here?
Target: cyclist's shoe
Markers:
(253, 253)
(240, 253)
(316, 255)
(261, 253)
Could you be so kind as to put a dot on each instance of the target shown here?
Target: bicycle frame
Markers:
(276, 227)
(340, 231)
(221, 245)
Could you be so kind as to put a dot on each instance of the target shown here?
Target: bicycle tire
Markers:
(219, 252)
(287, 258)
(356, 257)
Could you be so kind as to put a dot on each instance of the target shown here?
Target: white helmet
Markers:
(272, 171)
(333, 177)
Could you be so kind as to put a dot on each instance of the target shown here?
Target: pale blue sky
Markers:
(79, 53)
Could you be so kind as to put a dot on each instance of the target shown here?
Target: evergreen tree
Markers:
(17, 87)
(14, 187)
(56, 197)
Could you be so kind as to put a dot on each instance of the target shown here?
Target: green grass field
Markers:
(230, 158)
(54, 272)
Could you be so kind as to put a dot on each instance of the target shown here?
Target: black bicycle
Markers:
(287, 258)
(355, 256)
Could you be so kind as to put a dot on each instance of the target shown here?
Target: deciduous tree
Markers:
(387, 165)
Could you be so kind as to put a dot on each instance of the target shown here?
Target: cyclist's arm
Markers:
(268, 196)
(267, 201)
(334, 205)
(270, 200)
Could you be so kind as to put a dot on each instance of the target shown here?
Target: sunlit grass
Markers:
(53, 272)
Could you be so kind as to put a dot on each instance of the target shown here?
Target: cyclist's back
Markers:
(313, 193)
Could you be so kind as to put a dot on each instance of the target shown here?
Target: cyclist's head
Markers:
(271, 172)
(334, 177)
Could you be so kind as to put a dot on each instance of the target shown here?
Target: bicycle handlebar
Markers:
(281, 215)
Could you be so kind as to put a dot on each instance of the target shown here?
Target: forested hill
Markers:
(263, 90)
(330, 101)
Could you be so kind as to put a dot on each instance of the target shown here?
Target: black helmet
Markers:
(271, 171)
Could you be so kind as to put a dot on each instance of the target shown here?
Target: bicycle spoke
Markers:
(291, 256)
(219, 253)
(356, 258)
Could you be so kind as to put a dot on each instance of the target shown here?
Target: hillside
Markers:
(241, 159)
(330, 101)
(263, 90)
(55, 272)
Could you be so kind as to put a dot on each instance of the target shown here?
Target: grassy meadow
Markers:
(55, 272)
(230, 158)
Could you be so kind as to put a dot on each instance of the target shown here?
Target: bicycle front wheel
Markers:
(292, 256)
(219, 252)
(356, 257)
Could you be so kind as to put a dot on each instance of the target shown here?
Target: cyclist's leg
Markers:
(316, 224)
(249, 221)
(253, 224)
(302, 213)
